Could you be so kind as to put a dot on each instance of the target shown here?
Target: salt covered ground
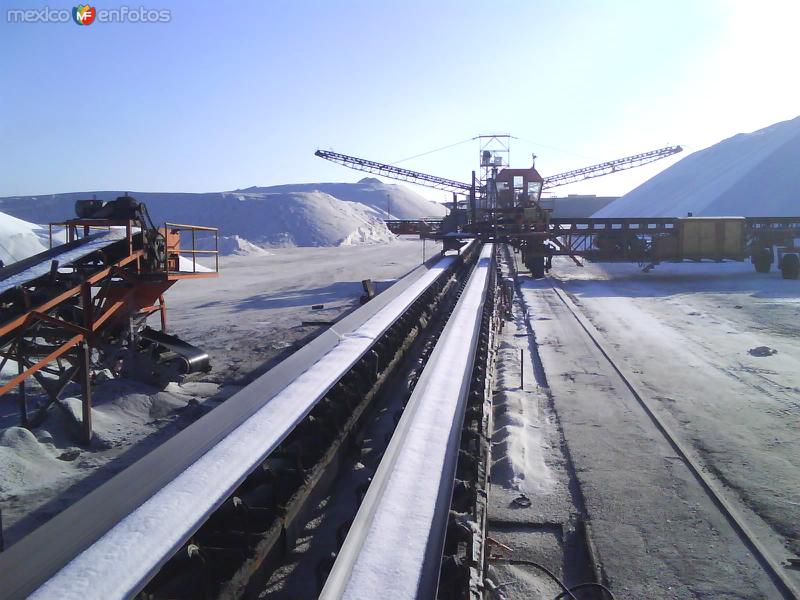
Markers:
(693, 337)
(257, 312)
(262, 305)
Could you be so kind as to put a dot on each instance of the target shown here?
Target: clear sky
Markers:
(234, 94)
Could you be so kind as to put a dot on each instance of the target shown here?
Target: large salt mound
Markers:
(18, 239)
(311, 214)
(297, 219)
(405, 203)
(751, 175)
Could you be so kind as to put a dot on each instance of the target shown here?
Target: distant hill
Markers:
(751, 175)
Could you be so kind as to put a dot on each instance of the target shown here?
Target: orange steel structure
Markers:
(51, 323)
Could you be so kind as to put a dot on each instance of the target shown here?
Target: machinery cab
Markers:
(518, 188)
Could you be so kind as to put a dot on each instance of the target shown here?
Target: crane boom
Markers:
(612, 166)
(370, 166)
(441, 183)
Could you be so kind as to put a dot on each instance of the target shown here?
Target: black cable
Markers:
(588, 585)
(530, 563)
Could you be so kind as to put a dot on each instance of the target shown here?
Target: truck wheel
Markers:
(790, 266)
(762, 260)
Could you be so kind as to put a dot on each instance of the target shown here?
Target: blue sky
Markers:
(242, 93)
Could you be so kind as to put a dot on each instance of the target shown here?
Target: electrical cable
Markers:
(566, 592)
(432, 151)
(530, 563)
(590, 584)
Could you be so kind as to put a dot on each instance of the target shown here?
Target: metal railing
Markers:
(194, 252)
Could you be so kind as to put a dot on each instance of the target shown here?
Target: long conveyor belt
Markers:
(158, 502)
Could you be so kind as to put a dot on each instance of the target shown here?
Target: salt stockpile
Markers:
(751, 175)
(385, 198)
(311, 214)
(18, 239)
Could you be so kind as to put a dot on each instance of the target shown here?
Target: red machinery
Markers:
(87, 301)
(505, 205)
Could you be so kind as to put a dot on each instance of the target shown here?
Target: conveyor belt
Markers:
(398, 534)
(193, 358)
(38, 265)
(110, 543)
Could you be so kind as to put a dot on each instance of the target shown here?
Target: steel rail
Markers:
(371, 166)
(769, 563)
(611, 166)
(397, 536)
(115, 539)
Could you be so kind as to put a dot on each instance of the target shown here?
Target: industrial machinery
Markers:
(504, 204)
(84, 304)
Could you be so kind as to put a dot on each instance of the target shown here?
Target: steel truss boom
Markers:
(371, 166)
(612, 166)
(441, 183)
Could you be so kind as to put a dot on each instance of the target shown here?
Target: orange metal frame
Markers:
(109, 305)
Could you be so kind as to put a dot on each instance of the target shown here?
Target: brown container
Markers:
(711, 238)
(665, 247)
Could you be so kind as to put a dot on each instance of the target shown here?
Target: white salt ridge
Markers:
(386, 199)
(311, 214)
(238, 246)
(751, 175)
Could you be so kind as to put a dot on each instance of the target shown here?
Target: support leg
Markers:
(23, 401)
(86, 391)
(162, 307)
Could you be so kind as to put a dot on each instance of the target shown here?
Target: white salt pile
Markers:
(751, 175)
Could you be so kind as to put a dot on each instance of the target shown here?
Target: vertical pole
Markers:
(23, 401)
(162, 305)
(194, 256)
(86, 391)
(389, 205)
(455, 202)
(521, 369)
(472, 200)
(86, 306)
(423, 250)
(166, 254)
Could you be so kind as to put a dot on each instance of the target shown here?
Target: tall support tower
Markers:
(494, 154)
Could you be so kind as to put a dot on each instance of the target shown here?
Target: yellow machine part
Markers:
(711, 237)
